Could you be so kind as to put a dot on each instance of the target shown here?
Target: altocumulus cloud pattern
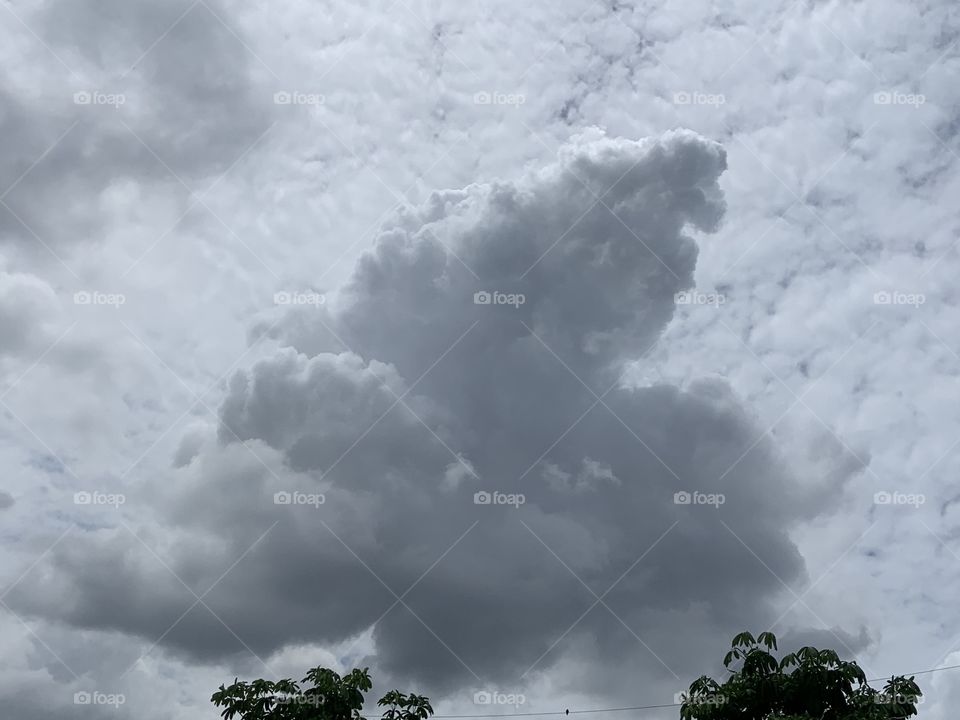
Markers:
(417, 335)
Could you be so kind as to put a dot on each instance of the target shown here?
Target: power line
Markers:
(920, 672)
(564, 712)
(646, 707)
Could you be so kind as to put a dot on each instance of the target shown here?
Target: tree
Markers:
(331, 697)
(809, 684)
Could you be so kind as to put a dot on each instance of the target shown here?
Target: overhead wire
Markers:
(567, 711)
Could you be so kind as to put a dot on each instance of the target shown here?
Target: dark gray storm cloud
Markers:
(408, 393)
(122, 91)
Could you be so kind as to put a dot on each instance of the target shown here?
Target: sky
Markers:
(522, 353)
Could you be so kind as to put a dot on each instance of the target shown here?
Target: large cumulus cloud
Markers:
(403, 397)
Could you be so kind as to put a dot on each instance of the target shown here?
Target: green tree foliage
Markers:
(329, 697)
(809, 684)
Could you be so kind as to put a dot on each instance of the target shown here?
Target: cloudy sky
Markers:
(522, 349)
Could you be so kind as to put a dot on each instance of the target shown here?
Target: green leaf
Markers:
(768, 639)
